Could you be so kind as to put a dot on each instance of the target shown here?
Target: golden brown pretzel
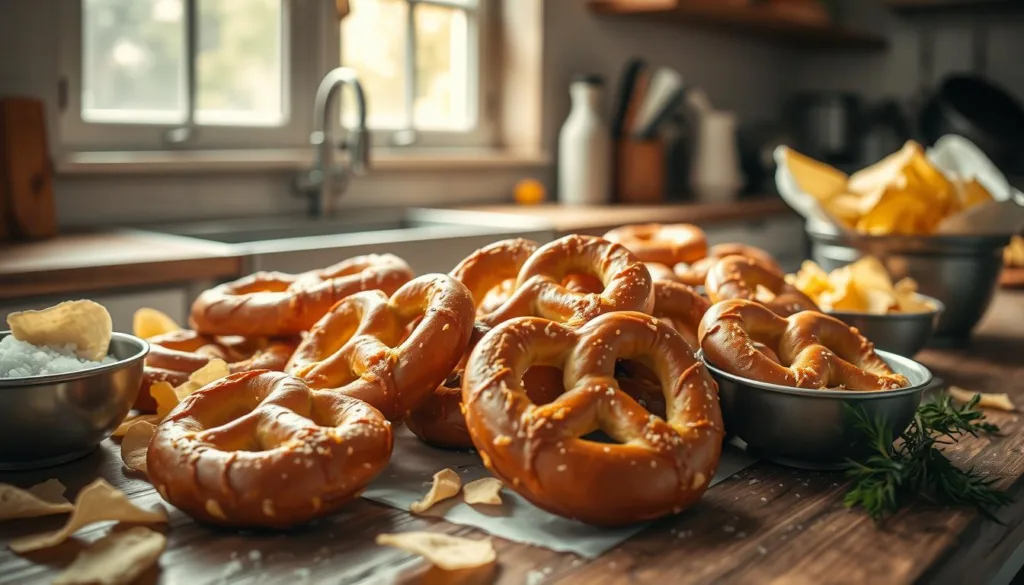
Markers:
(814, 350)
(175, 355)
(261, 449)
(661, 272)
(364, 346)
(694, 274)
(274, 304)
(667, 244)
(739, 277)
(681, 308)
(659, 467)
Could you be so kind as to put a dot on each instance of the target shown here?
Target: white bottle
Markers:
(716, 174)
(584, 148)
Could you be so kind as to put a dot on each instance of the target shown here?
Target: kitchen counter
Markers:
(767, 524)
(108, 260)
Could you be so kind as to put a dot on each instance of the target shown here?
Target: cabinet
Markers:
(122, 306)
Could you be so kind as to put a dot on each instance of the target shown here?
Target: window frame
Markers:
(311, 44)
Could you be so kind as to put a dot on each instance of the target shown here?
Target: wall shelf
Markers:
(751, 21)
(936, 6)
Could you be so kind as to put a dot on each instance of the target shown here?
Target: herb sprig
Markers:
(913, 466)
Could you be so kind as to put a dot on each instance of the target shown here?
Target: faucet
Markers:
(320, 183)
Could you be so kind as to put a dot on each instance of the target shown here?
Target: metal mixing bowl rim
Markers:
(80, 374)
(816, 229)
(940, 308)
(889, 357)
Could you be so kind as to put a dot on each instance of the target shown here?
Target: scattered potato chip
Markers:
(83, 324)
(164, 396)
(986, 400)
(136, 444)
(116, 559)
(446, 484)
(98, 502)
(148, 323)
(214, 370)
(486, 490)
(1013, 255)
(42, 499)
(447, 552)
(133, 419)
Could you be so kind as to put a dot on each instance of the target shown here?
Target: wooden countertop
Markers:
(108, 260)
(768, 524)
(600, 218)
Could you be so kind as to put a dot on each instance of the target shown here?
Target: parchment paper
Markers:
(413, 464)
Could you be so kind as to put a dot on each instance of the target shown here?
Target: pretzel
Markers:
(661, 272)
(175, 355)
(696, 273)
(681, 308)
(364, 347)
(739, 277)
(812, 350)
(667, 244)
(275, 304)
(262, 449)
(660, 467)
(557, 277)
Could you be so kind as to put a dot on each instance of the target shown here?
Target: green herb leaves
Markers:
(913, 466)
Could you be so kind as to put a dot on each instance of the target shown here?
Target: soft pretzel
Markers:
(262, 449)
(274, 304)
(811, 349)
(390, 353)
(694, 274)
(681, 308)
(661, 272)
(739, 277)
(175, 355)
(656, 468)
(667, 244)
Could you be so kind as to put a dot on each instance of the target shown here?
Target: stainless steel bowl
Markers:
(48, 420)
(900, 333)
(961, 271)
(814, 429)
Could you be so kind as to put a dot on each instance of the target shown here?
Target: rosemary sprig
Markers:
(895, 472)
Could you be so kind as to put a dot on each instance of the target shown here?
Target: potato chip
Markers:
(98, 502)
(148, 323)
(133, 419)
(985, 400)
(843, 295)
(42, 499)
(810, 279)
(446, 484)
(1013, 255)
(214, 370)
(116, 559)
(486, 490)
(83, 324)
(815, 178)
(447, 552)
(164, 396)
(135, 446)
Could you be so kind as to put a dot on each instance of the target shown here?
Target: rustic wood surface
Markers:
(767, 524)
(108, 260)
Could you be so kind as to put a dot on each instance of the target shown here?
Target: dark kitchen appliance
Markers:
(826, 126)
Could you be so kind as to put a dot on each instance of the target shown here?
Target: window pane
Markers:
(239, 62)
(133, 65)
(442, 68)
(373, 43)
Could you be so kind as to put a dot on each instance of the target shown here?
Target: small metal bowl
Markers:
(904, 334)
(49, 420)
(814, 429)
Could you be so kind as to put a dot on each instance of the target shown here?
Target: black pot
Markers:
(983, 113)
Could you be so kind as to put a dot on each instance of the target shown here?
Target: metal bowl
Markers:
(49, 420)
(900, 333)
(814, 429)
(960, 271)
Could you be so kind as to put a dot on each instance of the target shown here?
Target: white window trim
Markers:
(311, 41)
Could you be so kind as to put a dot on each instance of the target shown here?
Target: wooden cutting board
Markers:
(26, 173)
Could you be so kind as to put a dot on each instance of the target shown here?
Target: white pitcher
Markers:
(584, 148)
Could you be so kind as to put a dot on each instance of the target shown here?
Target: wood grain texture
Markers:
(766, 525)
(25, 168)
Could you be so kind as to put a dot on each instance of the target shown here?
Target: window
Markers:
(158, 74)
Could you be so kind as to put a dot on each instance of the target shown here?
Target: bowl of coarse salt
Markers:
(66, 382)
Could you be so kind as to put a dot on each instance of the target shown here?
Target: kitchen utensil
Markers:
(959, 271)
(814, 429)
(982, 112)
(627, 84)
(664, 95)
(903, 334)
(48, 420)
(26, 170)
(716, 168)
(584, 147)
(827, 126)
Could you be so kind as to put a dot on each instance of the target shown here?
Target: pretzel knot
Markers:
(364, 347)
(262, 449)
(696, 273)
(275, 304)
(660, 466)
(740, 277)
(806, 350)
(667, 244)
